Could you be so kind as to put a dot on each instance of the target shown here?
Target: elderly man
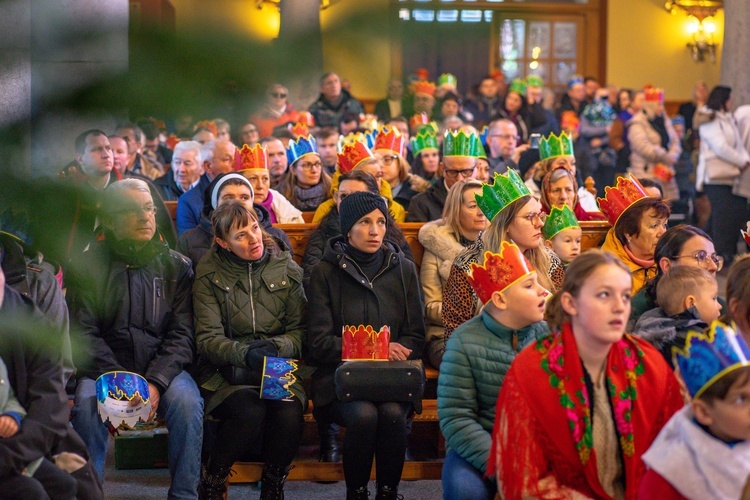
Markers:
(218, 158)
(138, 163)
(391, 106)
(132, 306)
(333, 102)
(187, 169)
(278, 163)
(502, 139)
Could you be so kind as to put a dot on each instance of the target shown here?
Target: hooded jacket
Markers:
(639, 274)
(428, 205)
(341, 295)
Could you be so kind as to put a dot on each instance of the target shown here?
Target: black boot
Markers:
(272, 482)
(329, 444)
(388, 493)
(214, 485)
(357, 493)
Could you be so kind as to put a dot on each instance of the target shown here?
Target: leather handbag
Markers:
(381, 381)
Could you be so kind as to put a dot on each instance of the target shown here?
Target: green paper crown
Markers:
(425, 139)
(559, 219)
(554, 145)
(507, 188)
(534, 81)
(447, 78)
(518, 86)
(462, 144)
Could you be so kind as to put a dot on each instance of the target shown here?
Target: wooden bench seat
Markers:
(308, 470)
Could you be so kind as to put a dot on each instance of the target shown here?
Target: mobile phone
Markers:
(534, 141)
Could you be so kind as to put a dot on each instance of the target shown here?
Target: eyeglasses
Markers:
(702, 258)
(506, 137)
(249, 130)
(531, 216)
(278, 95)
(388, 159)
(136, 211)
(465, 173)
(310, 166)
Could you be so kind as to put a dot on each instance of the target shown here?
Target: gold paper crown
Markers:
(499, 271)
(254, 158)
(208, 125)
(424, 88)
(389, 138)
(506, 189)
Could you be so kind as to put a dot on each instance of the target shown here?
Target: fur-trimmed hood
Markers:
(437, 238)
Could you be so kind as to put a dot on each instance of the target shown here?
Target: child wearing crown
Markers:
(562, 234)
(704, 450)
(467, 388)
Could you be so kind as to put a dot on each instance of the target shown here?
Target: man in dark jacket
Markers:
(333, 102)
(186, 171)
(133, 309)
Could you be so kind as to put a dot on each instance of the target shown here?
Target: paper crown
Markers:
(368, 121)
(364, 343)
(462, 144)
(534, 81)
(278, 377)
(366, 138)
(506, 189)
(424, 140)
(555, 145)
(422, 73)
(653, 94)
(558, 220)
(172, 141)
(158, 123)
(300, 147)
(575, 79)
(248, 158)
(569, 121)
(447, 79)
(351, 155)
(621, 197)
(115, 392)
(421, 87)
(499, 271)
(302, 126)
(483, 135)
(389, 138)
(208, 125)
(745, 234)
(518, 86)
(709, 356)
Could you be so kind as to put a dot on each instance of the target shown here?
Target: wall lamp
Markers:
(701, 26)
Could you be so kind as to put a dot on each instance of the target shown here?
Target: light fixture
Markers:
(324, 4)
(701, 26)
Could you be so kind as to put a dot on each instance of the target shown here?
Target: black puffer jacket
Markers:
(134, 310)
(428, 206)
(340, 295)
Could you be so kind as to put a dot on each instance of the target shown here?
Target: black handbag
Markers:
(238, 375)
(381, 381)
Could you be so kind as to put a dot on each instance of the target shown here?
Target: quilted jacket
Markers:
(477, 357)
(263, 300)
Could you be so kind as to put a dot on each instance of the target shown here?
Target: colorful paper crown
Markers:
(707, 357)
(653, 94)
(115, 392)
(745, 234)
(364, 343)
(158, 123)
(351, 155)
(569, 121)
(422, 73)
(506, 189)
(389, 138)
(534, 81)
(499, 271)
(518, 86)
(366, 138)
(208, 125)
(172, 141)
(621, 197)
(248, 158)
(369, 122)
(558, 220)
(421, 87)
(424, 140)
(483, 135)
(300, 147)
(447, 79)
(462, 144)
(278, 377)
(301, 128)
(555, 145)
(575, 79)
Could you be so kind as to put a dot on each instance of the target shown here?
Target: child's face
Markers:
(567, 244)
(729, 418)
(706, 302)
(526, 300)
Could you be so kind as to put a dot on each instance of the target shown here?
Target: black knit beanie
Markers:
(357, 205)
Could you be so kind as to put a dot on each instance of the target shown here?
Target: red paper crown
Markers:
(254, 158)
(159, 123)
(745, 234)
(363, 343)
(424, 88)
(422, 73)
(652, 94)
(621, 197)
(351, 155)
(172, 141)
(419, 119)
(389, 138)
(301, 128)
(208, 125)
(500, 271)
(569, 121)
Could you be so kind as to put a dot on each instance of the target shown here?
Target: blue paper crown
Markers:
(709, 356)
(575, 79)
(299, 148)
(278, 377)
(483, 135)
(121, 386)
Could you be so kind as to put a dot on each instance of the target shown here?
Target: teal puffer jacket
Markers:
(477, 357)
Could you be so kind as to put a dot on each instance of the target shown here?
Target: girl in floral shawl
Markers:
(578, 408)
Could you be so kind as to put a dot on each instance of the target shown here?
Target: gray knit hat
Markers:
(357, 205)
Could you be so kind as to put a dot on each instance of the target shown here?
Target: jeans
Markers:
(182, 407)
(462, 481)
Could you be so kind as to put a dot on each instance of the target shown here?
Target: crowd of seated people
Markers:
(541, 392)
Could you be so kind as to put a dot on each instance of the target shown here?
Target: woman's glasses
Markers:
(531, 216)
(278, 95)
(703, 258)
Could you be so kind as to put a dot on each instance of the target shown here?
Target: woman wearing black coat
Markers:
(364, 280)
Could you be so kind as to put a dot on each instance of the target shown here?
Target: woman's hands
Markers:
(397, 352)
(257, 350)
